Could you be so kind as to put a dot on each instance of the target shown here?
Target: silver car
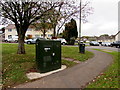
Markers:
(32, 41)
(94, 43)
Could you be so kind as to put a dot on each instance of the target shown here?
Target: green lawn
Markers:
(109, 79)
(72, 52)
(15, 66)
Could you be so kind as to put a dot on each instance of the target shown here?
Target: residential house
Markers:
(117, 36)
(106, 38)
(11, 31)
(88, 38)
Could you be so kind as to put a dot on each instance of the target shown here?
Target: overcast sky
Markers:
(104, 20)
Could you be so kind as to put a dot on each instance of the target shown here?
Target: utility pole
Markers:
(80, 24)
(81, 45)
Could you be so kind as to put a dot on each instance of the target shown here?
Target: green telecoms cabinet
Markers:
(48, 55)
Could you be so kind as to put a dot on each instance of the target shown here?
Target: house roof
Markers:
(12, 26)
(118, 32)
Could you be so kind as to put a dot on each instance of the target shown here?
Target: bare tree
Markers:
(23, 13)
(54, 17)
(43, 26)
(69, 10)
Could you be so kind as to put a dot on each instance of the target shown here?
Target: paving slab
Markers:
(36, 75)
(75, 77)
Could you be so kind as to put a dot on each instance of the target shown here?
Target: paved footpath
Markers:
(76, 76)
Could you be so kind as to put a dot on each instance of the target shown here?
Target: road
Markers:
(105, 48)
(102, 47)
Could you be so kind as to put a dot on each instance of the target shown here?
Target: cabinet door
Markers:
(45, 56)
(48, 55)
(57, 54)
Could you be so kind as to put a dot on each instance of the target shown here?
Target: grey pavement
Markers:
(104, 47)
(75, 77)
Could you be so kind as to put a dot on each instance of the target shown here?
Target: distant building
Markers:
(117, 36)
(105, 38)
(11, 31)
(89, 38)
(102, 38)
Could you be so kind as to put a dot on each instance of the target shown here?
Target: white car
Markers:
(11, 40)
(63, 41)
(106, 43)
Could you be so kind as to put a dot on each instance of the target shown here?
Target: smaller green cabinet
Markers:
(48, 55)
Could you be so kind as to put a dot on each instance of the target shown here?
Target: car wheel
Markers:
(28, 42)
(63, 43)
(16, 41)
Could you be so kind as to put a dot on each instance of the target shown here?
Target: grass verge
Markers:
(110, 78)
(72, 52)
(68, 63)
(15, 66)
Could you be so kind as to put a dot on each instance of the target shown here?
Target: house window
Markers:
(9, 30)
(49, 35)
(9, 36)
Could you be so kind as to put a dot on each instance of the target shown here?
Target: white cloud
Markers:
(107, 26)
(104, 20)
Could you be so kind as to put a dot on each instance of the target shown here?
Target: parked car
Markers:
(12, 39)
(76, 41)
(106, 44)
(100, 43)
(116, 44)
(63, 41)
(9, 40)
(94, 43)
(32, 41)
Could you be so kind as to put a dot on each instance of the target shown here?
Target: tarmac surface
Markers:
(75, 77)
(105, 48)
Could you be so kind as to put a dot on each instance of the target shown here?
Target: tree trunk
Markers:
(21, 47)
(54, 32)
(44, 33)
